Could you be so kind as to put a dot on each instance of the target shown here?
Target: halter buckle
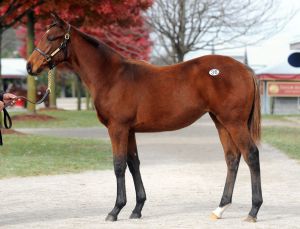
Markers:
(67, 36)
(48, 58)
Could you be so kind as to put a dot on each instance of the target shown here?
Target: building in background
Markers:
(280, 89)
(13, 68)
(295, 45)
(280, 86)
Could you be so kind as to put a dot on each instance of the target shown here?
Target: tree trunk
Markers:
(73, 87)
(31, 84)
(52, 99)
(180, 43)
(88, 99)
(1, 80)
(213, 51)
(272, 102)
(180, 57)
(63, 86)
(78, 89)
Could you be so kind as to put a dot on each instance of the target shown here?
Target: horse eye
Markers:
(50, 38)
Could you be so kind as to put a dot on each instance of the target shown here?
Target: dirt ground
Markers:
(184, 174)
(32, 117)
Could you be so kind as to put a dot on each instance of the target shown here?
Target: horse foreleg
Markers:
(134, 167)
(119, 140)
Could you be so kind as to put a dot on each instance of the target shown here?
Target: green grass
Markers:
(286, 139)
(25, 155)
(281, 117)
(62, 119)
(273, 117)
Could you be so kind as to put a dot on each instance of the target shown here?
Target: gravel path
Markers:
(183, 172)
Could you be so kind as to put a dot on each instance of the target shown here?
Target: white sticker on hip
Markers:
(214, 72)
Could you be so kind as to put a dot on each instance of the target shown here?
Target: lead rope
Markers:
(48, 91)
(7, 120)
(50, 76)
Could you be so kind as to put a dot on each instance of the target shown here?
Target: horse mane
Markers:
(90, 39)
(105, 49)
(51, 25)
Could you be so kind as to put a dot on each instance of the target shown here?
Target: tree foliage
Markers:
(13, 11)
(133, 41)
(104, 12)
(120, 23)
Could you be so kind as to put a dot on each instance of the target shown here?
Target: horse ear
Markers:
(57, 19)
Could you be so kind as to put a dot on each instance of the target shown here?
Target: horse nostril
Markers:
(29, 68)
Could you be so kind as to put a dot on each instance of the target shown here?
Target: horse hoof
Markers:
(135, 215)
(111, 218)
(250, 219)
(213, 216)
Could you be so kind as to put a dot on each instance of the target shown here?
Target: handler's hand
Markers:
(1, 106)
(8, 98)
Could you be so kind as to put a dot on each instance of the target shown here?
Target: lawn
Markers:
(27, 155)
(286, 139)
(60, 119)
(284, 118)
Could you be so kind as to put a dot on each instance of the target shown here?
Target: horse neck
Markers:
(93, 61)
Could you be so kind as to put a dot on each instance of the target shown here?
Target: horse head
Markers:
(52, 49)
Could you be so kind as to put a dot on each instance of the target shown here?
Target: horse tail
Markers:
(254, 121)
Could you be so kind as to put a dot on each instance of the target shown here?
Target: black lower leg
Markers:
(119, 167)
(133, 165)
(232, 161)
(253, 163)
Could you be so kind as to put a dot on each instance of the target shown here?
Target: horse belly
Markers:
(167, 120)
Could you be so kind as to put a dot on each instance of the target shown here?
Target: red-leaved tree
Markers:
(103, 12)
(132, 42)
(119, 24)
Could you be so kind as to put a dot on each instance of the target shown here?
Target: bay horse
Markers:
(133, 96)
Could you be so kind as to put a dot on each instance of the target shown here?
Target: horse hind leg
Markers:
(232, 157)
(252, 159)
(134, 167)
(241, 137)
